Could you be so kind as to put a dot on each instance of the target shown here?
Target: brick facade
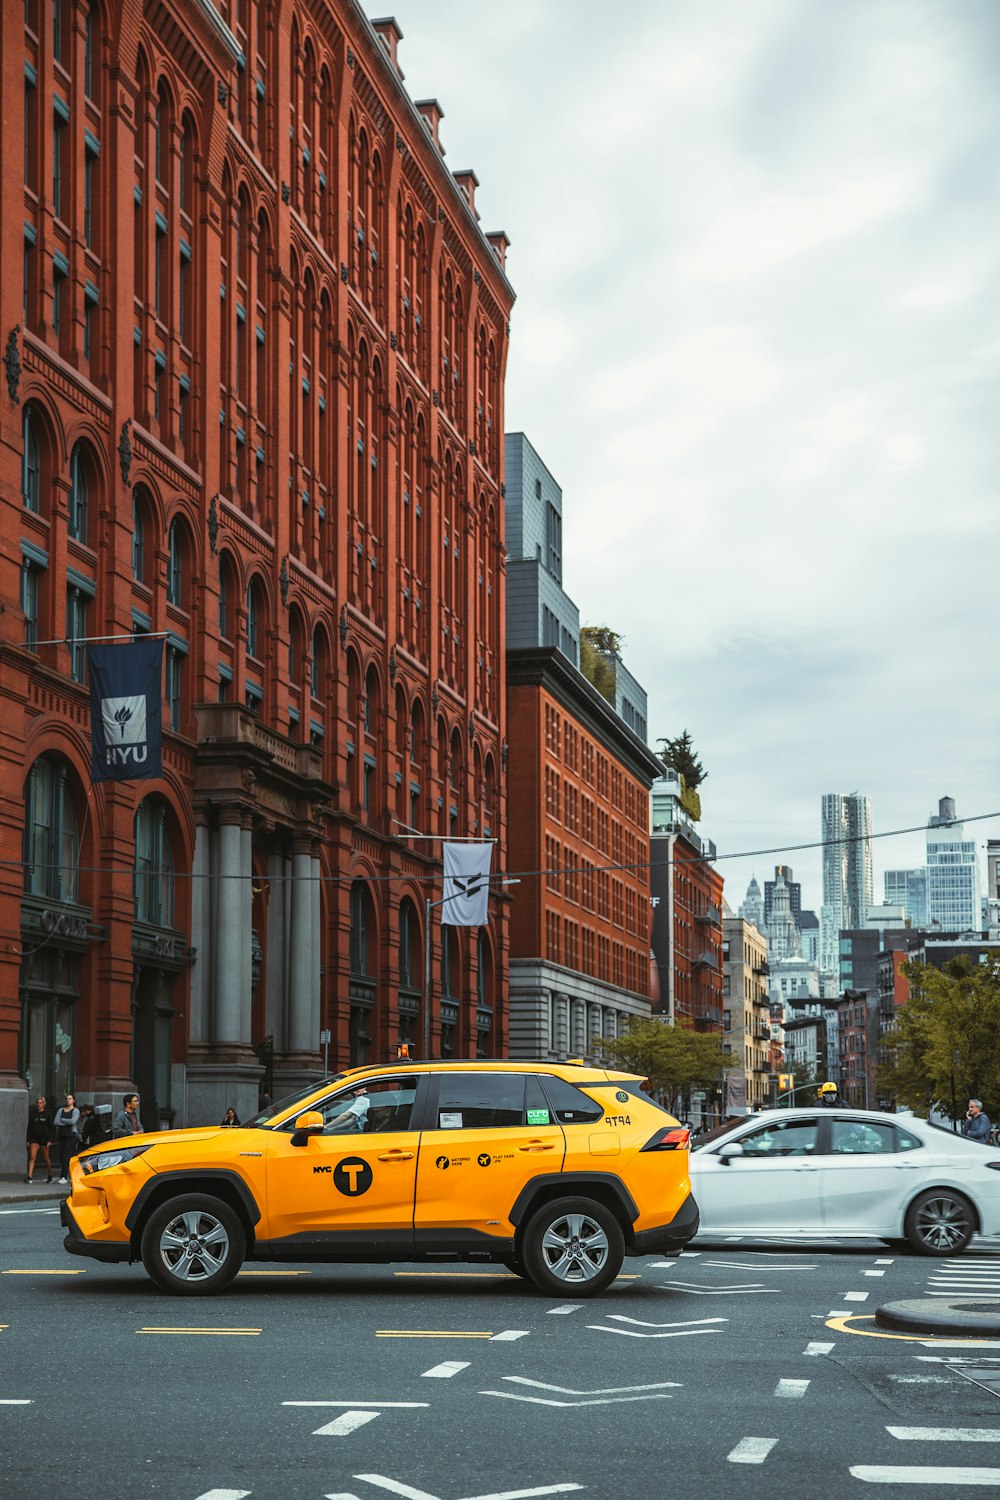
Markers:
(256, 343)
(579, 933)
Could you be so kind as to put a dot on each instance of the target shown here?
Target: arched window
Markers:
(227, 595)
(362, 961)
(295, 637)
(161, 137)
(141, 550)
(31, 467)
(255, 623)
(410, 971)
(78, 496)
(51, 842)
(187, 165)
(175, 565)
(154, 864)
(318, 668)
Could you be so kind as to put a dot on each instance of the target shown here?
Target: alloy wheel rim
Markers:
(194, 1246)
(943, 1223)
(575, 1248)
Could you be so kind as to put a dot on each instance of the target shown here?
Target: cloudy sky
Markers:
(756, 247)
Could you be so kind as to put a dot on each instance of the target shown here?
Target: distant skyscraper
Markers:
(752, 909)
(847, 870)
(953, 891)
(783, 872)
(908, 889)
(783, 937)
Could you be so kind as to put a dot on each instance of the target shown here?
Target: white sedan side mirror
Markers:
(728, 1151)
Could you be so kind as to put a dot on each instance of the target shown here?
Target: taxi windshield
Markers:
(265, 1116)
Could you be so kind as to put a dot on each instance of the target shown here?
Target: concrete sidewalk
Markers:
(33, 1192)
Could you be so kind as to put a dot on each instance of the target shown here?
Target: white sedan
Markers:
(803, 1173)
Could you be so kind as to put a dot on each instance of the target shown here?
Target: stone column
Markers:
(301, 1037)
(246, 935)
(201, 931)
(317, 945)
(229, 944)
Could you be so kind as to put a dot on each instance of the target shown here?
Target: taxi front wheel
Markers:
(193, 1245)
(572, 1245)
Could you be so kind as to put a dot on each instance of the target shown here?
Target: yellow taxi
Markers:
(555, 1170)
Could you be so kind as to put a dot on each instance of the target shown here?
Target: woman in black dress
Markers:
(39, 1137)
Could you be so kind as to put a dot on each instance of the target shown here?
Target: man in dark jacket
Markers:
(126, 1121)
(976, 1125)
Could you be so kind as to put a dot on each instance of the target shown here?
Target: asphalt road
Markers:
(734, 1371)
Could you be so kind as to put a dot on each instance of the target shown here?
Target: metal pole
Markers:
(427, 981)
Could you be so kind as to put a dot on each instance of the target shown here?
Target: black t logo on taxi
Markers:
(352, 1176)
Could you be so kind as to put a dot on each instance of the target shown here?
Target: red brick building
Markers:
(687, 920)
(253, 399)
(580, 931)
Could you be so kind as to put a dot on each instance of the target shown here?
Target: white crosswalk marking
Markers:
(947, 1478)
(946, 1434)
(817, 1348)
(446, 1369)
(225, 1495)
(791, 1387)
(751, 1450)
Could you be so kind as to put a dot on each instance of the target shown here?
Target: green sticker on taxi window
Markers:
(538, 1117)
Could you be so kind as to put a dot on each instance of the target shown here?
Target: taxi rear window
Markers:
(567, 1103)
(633, 1088)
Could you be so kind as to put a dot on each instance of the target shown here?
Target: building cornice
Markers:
(547, 667)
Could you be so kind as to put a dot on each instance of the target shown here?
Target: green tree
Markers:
(944, 1045)
(600, 647)
(675, 1059)
(680, 757)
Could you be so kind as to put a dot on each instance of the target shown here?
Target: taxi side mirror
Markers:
(311, 1123)
(728, 1151)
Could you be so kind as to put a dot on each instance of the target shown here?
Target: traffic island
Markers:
(964, 1316)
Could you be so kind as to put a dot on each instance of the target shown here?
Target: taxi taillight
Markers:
(669, 1139)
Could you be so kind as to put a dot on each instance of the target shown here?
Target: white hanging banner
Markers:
(466, 884)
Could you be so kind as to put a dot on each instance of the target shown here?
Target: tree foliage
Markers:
(679, 755)
(599, 648)
(945, 1040)
(675, 1059)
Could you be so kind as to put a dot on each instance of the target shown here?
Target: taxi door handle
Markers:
(395, 1156)
(538, 1146)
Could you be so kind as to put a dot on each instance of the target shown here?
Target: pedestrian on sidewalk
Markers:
(232, 1118)
(126, 1121)
(976, 1125)
(39, 1136)
(67, 1126)
(95, 1125)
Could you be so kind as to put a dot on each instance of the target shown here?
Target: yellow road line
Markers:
(423, 1333)
(73, 1272)
(489, 1275)
(246, 1333)
(840, 1326)
(274, 1273)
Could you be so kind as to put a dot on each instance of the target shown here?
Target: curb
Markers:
(937, 1315)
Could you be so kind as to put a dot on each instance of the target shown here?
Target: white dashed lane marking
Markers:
(510, 1334)
(855, 1296)
(567, 1307)
(946, 1434)
(446, 1369)
(947, 1478)
(817, 1348)
(791, 1387)
(873, 1273)
(751, 1450)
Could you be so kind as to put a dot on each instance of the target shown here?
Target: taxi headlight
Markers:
(112, 1158)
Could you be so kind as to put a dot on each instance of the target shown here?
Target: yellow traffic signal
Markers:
(786, 1081)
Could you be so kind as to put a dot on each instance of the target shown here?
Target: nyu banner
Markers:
(126, 697)
(466, 884)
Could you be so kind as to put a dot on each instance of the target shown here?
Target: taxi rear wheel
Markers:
(573, 1245)
(193, 1245)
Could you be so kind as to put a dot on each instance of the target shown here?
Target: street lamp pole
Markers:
(428, 908)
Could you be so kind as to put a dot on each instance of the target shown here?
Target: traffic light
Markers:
(786, 1081)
